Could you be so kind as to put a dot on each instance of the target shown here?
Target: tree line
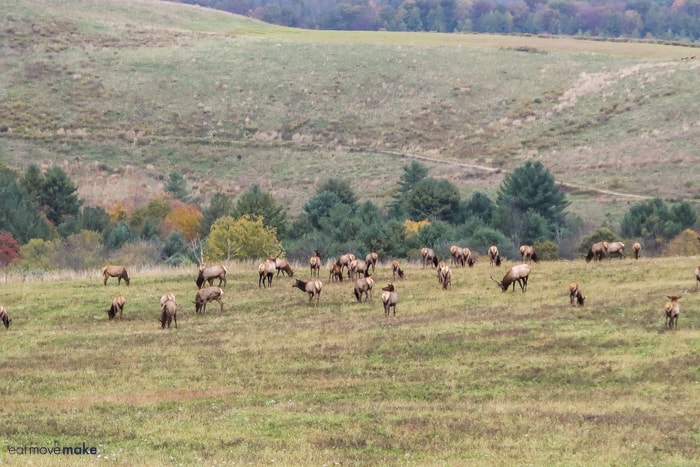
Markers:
(667, 20)
(44, 225)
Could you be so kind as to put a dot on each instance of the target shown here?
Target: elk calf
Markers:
(363, 286)
(575, 294)
(4, 317)
(117, 307)
(672, 310)
(206, 295)
(312, 287)
(389, 298)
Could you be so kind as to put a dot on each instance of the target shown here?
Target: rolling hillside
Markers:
(122, 93)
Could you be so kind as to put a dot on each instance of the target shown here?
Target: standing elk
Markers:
(209, 273)
(117, 307)
(266, 270)
(527, 254)
(389, 298)
(697, 277)
(494, 256)
(575, 295)
(457, 255)
(467, 257)
(206, 295)
(637, 248)
(344, 262)
(115, 271)
(672, 310)
(363, 286)
(518, 273)
(396, 269)
(445, 276)
(428, 257)
(312, 287)
(315, 263)
(168, 311)
(617, 248)
(4, 317)
(597, 251)
(282, 265)
(357, 267)
(336, 272)
(371, 260)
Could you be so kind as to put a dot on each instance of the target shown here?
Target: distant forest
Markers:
(676, 20)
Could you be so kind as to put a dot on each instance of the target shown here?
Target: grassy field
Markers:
(467, 376)
(121, 93)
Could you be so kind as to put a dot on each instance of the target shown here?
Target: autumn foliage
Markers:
(9, 249)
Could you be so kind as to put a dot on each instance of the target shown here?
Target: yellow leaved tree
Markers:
(241, 238)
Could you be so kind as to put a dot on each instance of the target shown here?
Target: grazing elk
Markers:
(637, 248)
(168, 313)
(344, 262)
(527, 253)
(209, 273)
(518, 273)
(494, 256)
(336, 273)
(312, 287)
(357, 267)
(697, 277)
(617, 248)
(389, 298)
(315, 263)
(467, 257)
(206, 295)
(266, 270)
(282, 265)
(363, 286)
(445, 276)
(396, 269)
(428, 257)
(672, 310)
(168, 297)
(597, 251)
(115, 271)
(371, 260)
(575, 294)
(4, 317)
(457, 255)
(117, 307)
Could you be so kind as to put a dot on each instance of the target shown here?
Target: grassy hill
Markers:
(122, 93)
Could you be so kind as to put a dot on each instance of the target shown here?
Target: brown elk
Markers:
(428, 257)
(637, 248)
(617, 248)
(467, 257)
(697, 277)
(4, 317)
(282, 266)
(209, 273)
(389, 298)
(457, 255)
(597, 251)
(371, 260)
(445, 276)
(575, 294)
(494, 256)
(168, 297)
(168, 313)
(527, 253)
(518, 273)
(117, 307)
(336, 273)
(672, 310)
(396, 269)
(115, 271)
(363, 286)
(315, 263)
(344, 262)
(357, 267)
(266, 270)
(312, 287)
(206, 295)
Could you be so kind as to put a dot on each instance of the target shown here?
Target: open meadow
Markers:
(465, 376)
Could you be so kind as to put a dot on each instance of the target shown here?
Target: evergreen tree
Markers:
(412, 174)
(58, 196)
(221, 205)
(19, 213)
(433, 199)
(342, 189)
(257, 203)
(177, 186)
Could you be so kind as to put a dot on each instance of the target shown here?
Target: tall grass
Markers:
(469, 375)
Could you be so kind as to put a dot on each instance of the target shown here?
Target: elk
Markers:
(389, 298)
(396, 269)
(282, 265)
(445, 276)
(315, 263)
(494, 256)
(371, 260)
(467, 257)
(673, 310)
(637, 248)
(518, 273)
(168, 313)
(209, 273)
(438, 270)
(115, 271)
(597, 251)
(312, 287)
(575, 294)
(117, 307)
(266, 270)
(344, 262)
(428, 257)
(617, 248)
(457, 255)
(336, 273)
(168, 297)
(206, 295)
(527, 253)
(363, 286)
(697, 277)
(357, 267)
(4, 317)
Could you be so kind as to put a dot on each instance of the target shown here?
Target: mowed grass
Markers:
(471, 375)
